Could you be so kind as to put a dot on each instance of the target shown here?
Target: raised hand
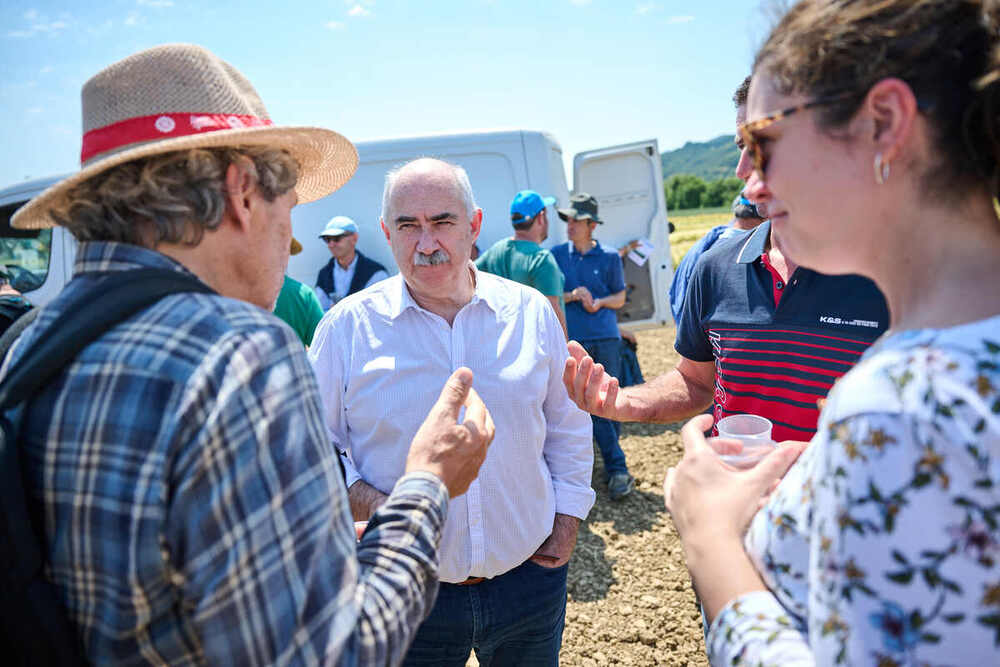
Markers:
(452, 451)
(591, 388)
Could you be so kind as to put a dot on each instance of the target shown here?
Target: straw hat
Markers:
(180, 96)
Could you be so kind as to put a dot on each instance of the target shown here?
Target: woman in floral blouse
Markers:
(875, 130)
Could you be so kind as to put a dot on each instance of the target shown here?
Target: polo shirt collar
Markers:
(755, 245)
(401, 299)
(596, 248)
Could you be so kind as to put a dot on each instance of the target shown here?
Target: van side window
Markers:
(25, 252)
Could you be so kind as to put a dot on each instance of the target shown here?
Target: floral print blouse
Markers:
(881, 545)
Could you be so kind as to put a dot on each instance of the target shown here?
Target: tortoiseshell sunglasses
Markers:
(747, 130)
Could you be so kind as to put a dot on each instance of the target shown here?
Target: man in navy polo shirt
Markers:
(595, 289)
(757, 334)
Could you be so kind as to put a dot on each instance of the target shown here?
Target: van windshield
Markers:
(25, 252)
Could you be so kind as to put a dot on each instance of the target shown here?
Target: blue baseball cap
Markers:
(744, 208)
(527, 204)
(339, 225)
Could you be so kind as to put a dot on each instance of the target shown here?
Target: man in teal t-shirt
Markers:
(521, 258)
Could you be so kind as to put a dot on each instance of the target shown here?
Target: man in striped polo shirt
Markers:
(757, 335)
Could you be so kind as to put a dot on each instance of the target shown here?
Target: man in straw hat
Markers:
(507, 542)
(194, 509)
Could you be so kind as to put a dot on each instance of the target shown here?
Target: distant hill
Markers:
(709, 160)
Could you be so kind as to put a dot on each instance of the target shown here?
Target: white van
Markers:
(626, 180)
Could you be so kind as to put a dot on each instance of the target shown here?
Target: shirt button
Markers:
(779, 285)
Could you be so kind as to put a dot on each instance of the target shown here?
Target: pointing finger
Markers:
(477, 415)
(454, 393)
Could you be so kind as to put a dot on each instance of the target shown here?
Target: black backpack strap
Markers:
(15, 330)
(115, 297)
(36, 629)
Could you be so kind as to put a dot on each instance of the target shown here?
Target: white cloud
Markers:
(155, 3)
(680, 19)
(335, 25)
(46, 69)
(132, 19)
(644, 8)
(31, 14)
(47, 28)
(358, 10)
(579, 3)
(35, 110)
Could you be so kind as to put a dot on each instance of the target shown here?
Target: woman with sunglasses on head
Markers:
(875, 130)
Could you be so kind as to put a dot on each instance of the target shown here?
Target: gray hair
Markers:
(172, 197)
(461, 183)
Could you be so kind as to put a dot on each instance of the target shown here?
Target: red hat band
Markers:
(160, 126)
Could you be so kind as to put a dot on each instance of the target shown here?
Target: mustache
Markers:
(433, 259)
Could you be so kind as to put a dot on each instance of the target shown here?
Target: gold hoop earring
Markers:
(881, 169)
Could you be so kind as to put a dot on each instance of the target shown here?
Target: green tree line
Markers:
(689, 191)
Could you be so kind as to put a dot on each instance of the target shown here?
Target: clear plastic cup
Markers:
(755, 434)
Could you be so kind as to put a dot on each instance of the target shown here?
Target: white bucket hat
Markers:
(180, 96)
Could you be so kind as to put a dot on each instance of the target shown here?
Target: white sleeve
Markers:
(568, 448)
(327, 359)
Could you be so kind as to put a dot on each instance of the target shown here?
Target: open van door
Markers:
(627, 181)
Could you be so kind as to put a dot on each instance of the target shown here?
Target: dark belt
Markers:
(471, 581)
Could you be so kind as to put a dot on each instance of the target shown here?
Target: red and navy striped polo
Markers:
(777, 348)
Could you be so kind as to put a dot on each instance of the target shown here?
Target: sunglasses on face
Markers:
(335, 239)
(748, 131)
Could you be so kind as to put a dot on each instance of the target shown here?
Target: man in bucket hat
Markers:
(521, 257)
(348, 271)
(194, 512)
(595, 289)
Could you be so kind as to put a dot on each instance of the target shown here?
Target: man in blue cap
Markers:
(348, 271)
(521, 257)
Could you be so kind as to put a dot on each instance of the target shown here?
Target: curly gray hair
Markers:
(169, 198)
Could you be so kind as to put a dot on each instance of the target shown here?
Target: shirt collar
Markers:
(105, 256)
(755, 244)
(338, 267)
(596, 248)
(401, 299)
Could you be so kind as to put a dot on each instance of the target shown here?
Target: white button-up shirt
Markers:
(381, 361)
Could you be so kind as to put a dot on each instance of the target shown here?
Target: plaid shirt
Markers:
(193, 506)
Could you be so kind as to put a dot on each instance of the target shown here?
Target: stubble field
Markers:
(630, 598)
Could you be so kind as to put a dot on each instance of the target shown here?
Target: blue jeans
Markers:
(511, 620)
(608, 352)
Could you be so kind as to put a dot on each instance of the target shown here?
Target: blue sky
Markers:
(592, 72)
